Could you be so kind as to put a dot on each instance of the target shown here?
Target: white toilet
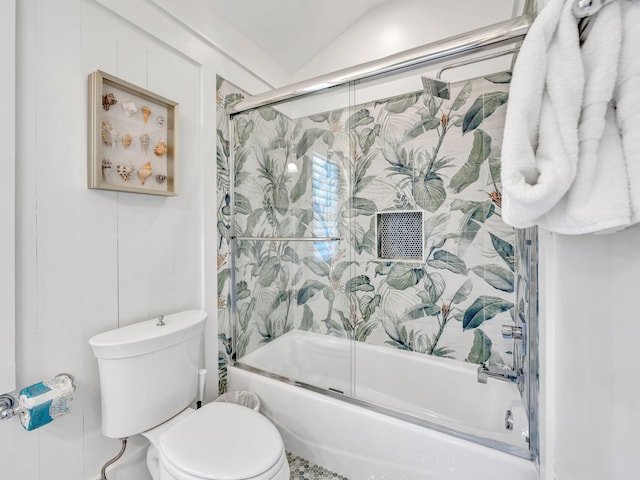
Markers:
(148, 379)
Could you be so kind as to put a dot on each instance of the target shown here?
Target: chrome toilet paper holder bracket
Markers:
(6, 406)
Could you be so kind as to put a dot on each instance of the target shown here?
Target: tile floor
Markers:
(302, 469)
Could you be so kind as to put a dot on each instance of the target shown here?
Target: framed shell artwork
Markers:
(132, 138)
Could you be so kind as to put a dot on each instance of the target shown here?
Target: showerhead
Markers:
(441, 89)
(436, 87)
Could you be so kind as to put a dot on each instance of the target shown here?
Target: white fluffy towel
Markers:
(566, 162)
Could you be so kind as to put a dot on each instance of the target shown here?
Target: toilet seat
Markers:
(277, 472)
(222, 441)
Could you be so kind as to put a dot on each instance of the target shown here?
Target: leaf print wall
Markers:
(407, 153)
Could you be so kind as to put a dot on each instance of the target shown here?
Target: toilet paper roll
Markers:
(45, 401)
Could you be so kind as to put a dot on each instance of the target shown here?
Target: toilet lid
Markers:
(222, 441)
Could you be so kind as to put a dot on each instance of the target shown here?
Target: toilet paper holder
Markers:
(10, 406)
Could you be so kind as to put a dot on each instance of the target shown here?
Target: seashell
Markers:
(108, 133)
(160, 178)
(146, 111)
(160, 121)
(144, 142)
(106, 165)
(160, 149)
(108, 100)
(126, 140)
(125, 170)
(145, 172)
(129, 108)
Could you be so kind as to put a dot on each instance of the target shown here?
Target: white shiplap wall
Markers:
(7, 195)
(89, 260)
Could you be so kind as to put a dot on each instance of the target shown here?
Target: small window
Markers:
(400, 235)
(325, 176)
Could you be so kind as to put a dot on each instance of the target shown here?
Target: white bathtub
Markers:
(364, 444)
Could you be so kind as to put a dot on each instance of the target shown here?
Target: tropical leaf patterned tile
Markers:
(327, 175)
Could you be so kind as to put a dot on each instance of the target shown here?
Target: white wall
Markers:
(589, 338)
(202, 21)
(7, 195)
(592, 331)
(90, 260)
(401, 25)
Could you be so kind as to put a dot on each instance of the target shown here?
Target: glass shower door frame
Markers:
(529, 391)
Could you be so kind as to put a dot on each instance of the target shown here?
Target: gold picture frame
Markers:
(133, 138)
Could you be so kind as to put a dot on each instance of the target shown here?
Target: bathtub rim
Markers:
(526, 454)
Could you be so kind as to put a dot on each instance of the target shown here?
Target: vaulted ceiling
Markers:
(293, 31)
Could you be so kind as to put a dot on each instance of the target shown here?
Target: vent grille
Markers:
(400, 235)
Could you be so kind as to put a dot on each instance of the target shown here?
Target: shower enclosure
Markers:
(363, 255)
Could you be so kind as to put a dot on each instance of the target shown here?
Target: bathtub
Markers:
(414, 417)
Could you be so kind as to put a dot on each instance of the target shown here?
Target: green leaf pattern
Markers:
(402, 153)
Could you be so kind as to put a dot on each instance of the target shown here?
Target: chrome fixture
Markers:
(586, 8)
(123, 447)
(160, 321)
(475, 41)
(583, 10)
(6, 407)
(511, 331)
(286, 239)
(514, 374)
(437, 87)
(505, 374)
(517, 334)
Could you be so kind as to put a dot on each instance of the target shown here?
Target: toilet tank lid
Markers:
(145, 337)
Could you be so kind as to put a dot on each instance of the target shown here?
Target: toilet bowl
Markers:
(148, 379)
(220, 441)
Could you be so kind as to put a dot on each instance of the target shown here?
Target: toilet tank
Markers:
(148, 373)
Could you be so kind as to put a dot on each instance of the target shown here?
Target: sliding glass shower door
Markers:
(290, 228)
(368, 258)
